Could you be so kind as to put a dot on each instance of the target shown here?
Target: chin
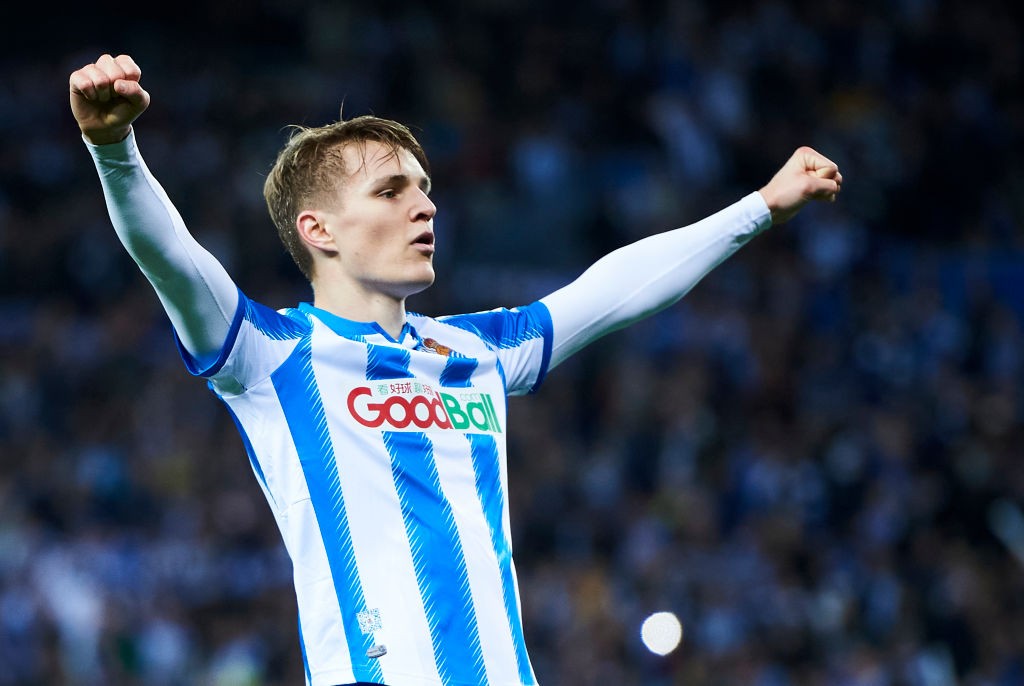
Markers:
(422, 286)
(414, 286)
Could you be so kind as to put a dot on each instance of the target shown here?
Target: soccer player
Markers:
(378, 435)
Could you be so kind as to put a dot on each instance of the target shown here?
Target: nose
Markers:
(423, 209)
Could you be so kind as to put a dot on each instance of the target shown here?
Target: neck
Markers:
(387, 311)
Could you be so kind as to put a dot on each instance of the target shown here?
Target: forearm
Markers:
(197, 293)
(642, 278)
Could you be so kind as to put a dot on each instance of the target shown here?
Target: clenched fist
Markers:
(807, 175)
(106, 98)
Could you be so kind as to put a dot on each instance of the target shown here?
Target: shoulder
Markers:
(280, 324)
(500, 328)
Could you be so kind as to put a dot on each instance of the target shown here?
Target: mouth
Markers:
(425, 242)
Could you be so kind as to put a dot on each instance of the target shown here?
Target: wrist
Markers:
(106, 136)
(770, 203)
(782, 207)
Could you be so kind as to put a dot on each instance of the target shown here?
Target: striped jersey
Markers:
(384, 463)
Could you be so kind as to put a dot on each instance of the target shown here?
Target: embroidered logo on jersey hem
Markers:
(412, 406)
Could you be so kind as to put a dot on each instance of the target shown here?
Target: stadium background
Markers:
(814, 460)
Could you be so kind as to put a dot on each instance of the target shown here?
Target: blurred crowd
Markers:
(813, 460)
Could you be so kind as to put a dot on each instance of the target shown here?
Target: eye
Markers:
(388, 194)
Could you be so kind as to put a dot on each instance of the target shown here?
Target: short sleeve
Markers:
(521, 339)
(259, 341)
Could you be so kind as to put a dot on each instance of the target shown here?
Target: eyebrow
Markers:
(401, 181)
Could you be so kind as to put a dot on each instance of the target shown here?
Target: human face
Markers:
(382, 222)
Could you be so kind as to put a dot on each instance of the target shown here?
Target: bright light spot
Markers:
(661, 632)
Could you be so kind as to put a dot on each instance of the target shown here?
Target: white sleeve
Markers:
(642, 278)
(197, 293)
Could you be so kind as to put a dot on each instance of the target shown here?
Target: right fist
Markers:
(106, 98)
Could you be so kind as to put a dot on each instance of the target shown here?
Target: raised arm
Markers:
(647, 276)
(197, 293)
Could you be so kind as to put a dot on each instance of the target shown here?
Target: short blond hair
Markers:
(311, 167)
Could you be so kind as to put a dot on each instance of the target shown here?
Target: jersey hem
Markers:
(342, 677)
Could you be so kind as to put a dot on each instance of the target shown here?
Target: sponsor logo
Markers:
(413, 406)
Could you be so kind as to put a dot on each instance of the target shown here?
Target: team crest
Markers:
(431, 344)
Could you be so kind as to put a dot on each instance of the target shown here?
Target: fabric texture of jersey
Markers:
(384, 463)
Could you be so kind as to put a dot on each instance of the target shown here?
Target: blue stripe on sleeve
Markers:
(270, 323)
(208, 365)
(273, 324)
(542, 315)
(438, 560)
(487, 471)
(501, 328)
(304, 411)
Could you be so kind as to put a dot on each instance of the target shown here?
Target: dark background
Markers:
(814, 459)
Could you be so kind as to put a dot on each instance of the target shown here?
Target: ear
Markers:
(312, 228)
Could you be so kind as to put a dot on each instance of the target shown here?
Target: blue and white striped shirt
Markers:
(384, 463)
